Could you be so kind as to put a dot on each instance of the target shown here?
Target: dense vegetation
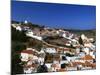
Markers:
(19, 42)
(17, 45)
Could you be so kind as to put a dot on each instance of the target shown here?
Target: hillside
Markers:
(20, 41)
(49, 37)
(89, 33)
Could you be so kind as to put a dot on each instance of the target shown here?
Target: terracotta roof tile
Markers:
(87, 57)
(27, 51)
(66, 49)
(77, 63)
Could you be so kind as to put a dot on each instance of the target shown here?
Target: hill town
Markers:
(39, 49)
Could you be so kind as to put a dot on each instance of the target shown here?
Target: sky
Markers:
(54, 15)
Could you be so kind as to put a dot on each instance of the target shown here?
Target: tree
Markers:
(80, 41)
(16, 68)
(35, 44)
(42, 68)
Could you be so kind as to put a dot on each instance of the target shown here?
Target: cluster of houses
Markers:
(75, 56)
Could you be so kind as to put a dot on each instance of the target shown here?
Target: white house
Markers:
(28, 70)
(77, 50)
(13, 25)
(64, 61)
(50, 50)
(71, 35)
(68, 44)
(30, 34)
(74, 42)
(25, 21)
(64, 35)
(34, 50)
(92, 54)
(79, 60)
(26, 54)
(19, 28)
(88, 44)
(91, 39)
(28, 48)
(49, 66)
(41, 58)
(55, 67)
(86, 50)
(26, 28)
(24, 57)
(57, 32)
(83, 37)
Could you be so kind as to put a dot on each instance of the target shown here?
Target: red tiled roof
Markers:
(87, 63)
(83, 64)
(77, 63)
(87, 57)
(94, 65)
(60, 49)
(66, 49)
(29, 66)
(27, 51)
